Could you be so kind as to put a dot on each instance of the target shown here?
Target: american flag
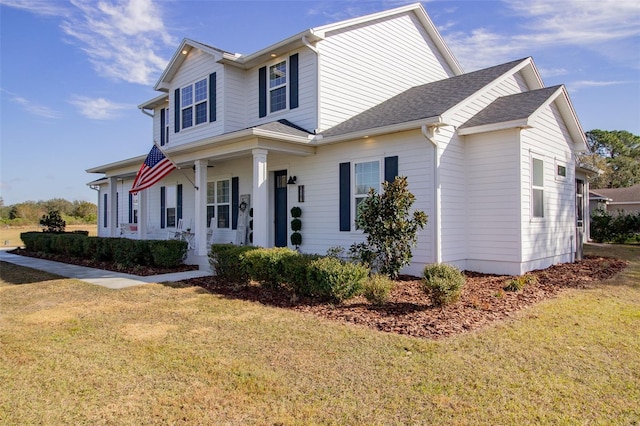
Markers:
(154, 168)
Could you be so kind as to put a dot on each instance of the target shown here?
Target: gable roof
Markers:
(620, 195)
(422, 102)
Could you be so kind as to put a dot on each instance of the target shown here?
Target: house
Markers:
(614, 200)
(317, 119)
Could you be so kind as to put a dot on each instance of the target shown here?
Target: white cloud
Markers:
(576, 85)
(39, 7)
(98, 108)
(123, 39)
(32, 107)
(544, 24)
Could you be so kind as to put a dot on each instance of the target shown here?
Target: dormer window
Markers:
(193, 105)
(278, 87)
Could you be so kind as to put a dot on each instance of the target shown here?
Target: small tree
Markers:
(53, 222)
(390, 227)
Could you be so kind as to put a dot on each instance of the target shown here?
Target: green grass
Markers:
(73, 353)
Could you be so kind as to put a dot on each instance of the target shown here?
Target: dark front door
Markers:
(280, 203)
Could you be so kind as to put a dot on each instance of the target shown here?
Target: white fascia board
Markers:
(377, 131)
(277, 49)
(178, 58)
(155, 102)
(522, 123)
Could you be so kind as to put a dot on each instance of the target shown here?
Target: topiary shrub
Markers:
(443, 283)
(267, 265)
(334, 279)
(377, 289)
(227, 262)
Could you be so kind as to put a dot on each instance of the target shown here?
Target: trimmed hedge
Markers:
(125, 252)
(334, 279)
(226, 261)
(268, 265)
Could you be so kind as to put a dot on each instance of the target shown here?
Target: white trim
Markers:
(354, 196)
(532, 187)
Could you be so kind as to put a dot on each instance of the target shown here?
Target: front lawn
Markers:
(73, 353)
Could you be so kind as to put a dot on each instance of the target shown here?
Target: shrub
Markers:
(168, 253)
(618, 228)
(267, 265)
(296, 239)
(53, 222)
(518, 283)
(127, 252)
(296, 224)
(443, 283)
(334, 279)
(390, 227)
(377, 289)
(295, 273)
(227, 262)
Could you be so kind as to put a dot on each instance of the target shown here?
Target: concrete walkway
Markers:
(109, 279)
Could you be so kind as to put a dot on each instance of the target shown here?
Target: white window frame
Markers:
(354, 190)
(166, 125)
(271, 89)
(171, 206)
(557, 166)
(216, 204)
(194, 103)
(134, 207)
(535, 188)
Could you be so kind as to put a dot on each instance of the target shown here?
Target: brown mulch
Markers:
(409, 310)
(143, 271)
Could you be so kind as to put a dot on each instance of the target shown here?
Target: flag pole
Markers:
(174, 164)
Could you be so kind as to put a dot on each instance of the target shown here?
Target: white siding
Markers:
(305, 115)
(493, 226)
(197, 66)
(367, 64)
(549, 239)
(234, 99)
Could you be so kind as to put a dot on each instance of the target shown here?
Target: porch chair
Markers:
(212, 223)
(177, 234)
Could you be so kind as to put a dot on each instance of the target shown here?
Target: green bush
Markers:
(617, 228)
(377, 289)
(226, 261)
(128, 252)
(443, 283)
(295, 273)
(296, 224)
(334, 279)
(53, 222)
(296, 239)
(168, 253)
(267, 265)
(518, 283)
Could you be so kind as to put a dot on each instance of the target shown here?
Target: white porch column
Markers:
(113, 209)
(142, 215)
(200, 217)
(260, 198)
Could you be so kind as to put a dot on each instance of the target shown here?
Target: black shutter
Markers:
(345, 196)
(235, 195)
(105, 211)
(293, 77)
(130, 208)
(179, 202)
(163, 203)
(212, 97)
(176, 112)
(162, 126)
(117, 209)
(262, 92)
(390, 168)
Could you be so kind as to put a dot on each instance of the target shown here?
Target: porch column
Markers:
(113, 209)
(260, 198)
(200, 216)
(142, 215)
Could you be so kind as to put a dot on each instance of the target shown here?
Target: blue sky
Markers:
(72, 73)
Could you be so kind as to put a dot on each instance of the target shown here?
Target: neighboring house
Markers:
(614, 200)
(317, 119)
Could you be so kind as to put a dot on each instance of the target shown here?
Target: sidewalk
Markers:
(109, 279)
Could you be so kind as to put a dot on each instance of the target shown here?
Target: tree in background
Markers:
(53, 222)
(30, 212)
(617, 154)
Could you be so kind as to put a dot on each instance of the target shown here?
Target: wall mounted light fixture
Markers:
(292, 180)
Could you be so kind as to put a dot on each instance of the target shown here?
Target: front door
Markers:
(280, 203)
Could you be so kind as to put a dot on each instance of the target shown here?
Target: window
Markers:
(171, 204)
(219, 202)
(134, 208)
(278, 86)
(366, 176)
(562, 171)
(579, 203)
(193, 104)
(166, 126)
(537, 188)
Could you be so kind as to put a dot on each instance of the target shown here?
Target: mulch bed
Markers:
(143, 271)
(409, 310)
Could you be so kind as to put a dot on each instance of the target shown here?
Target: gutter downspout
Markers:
(429, 132)
(146, 113)
(317, 52)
